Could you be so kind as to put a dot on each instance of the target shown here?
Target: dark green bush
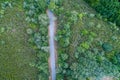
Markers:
(109, 9)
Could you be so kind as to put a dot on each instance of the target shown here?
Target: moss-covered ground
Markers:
(15, 52)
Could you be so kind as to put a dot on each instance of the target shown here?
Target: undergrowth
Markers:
(109, 9)
(80, 55)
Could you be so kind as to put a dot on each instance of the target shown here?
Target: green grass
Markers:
(88, 33)
(15, 52)
(104, 33)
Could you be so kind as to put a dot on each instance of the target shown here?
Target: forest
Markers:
(87, 39)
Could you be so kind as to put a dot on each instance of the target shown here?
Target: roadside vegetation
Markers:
(88, 44)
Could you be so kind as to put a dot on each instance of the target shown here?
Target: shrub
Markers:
(109, 9)
(80, 64)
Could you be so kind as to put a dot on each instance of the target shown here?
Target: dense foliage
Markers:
(109, 9)
(82, 60)
(3, 7)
